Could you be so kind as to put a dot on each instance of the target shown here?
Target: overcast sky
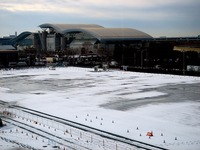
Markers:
(155, 17)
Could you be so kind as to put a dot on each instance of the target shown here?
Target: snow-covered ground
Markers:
(125, 103)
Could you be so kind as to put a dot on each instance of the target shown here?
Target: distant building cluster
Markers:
(91, 44)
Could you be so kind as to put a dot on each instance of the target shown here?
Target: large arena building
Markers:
(91, 44)
(62, 36)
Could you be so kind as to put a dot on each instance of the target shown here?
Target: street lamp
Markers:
(183, 62)
(142, 59)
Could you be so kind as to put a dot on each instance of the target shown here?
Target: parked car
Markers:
(113, 64)
(22, 64)
(39, 63)
(12, 64)
(2, 66)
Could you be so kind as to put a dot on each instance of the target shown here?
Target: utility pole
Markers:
(142, 59)
(183, 62)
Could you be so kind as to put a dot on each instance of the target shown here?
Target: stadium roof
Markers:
(23, 35)
(60, 28)
(99, 32)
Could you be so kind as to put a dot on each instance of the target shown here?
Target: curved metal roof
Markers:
(99, 32)
(59, 28)
(23, 35)
(117, 34)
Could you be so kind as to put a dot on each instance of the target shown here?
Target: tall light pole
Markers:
(142, 59)
(183, 62)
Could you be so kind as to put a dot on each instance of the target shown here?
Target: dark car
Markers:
(12, 64)
(22, 64)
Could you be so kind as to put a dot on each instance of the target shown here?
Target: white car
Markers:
(113, 64)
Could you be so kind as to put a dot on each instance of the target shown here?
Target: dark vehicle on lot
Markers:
(12, 64)
(39, 63)
(2, 66)
(22, 64)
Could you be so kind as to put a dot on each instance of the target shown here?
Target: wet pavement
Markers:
(173, 93)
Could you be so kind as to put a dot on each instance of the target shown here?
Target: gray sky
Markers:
(155, 17)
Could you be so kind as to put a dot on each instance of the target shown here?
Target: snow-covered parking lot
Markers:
(126, 103)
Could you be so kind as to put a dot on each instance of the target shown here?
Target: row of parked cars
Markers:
(20, 64)
(17, 64)
(14, 65)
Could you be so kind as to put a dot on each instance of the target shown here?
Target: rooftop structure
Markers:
(100, 33)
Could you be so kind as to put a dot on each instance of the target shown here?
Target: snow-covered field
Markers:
(129, 103)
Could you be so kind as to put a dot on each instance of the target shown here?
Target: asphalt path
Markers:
(173, 93)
